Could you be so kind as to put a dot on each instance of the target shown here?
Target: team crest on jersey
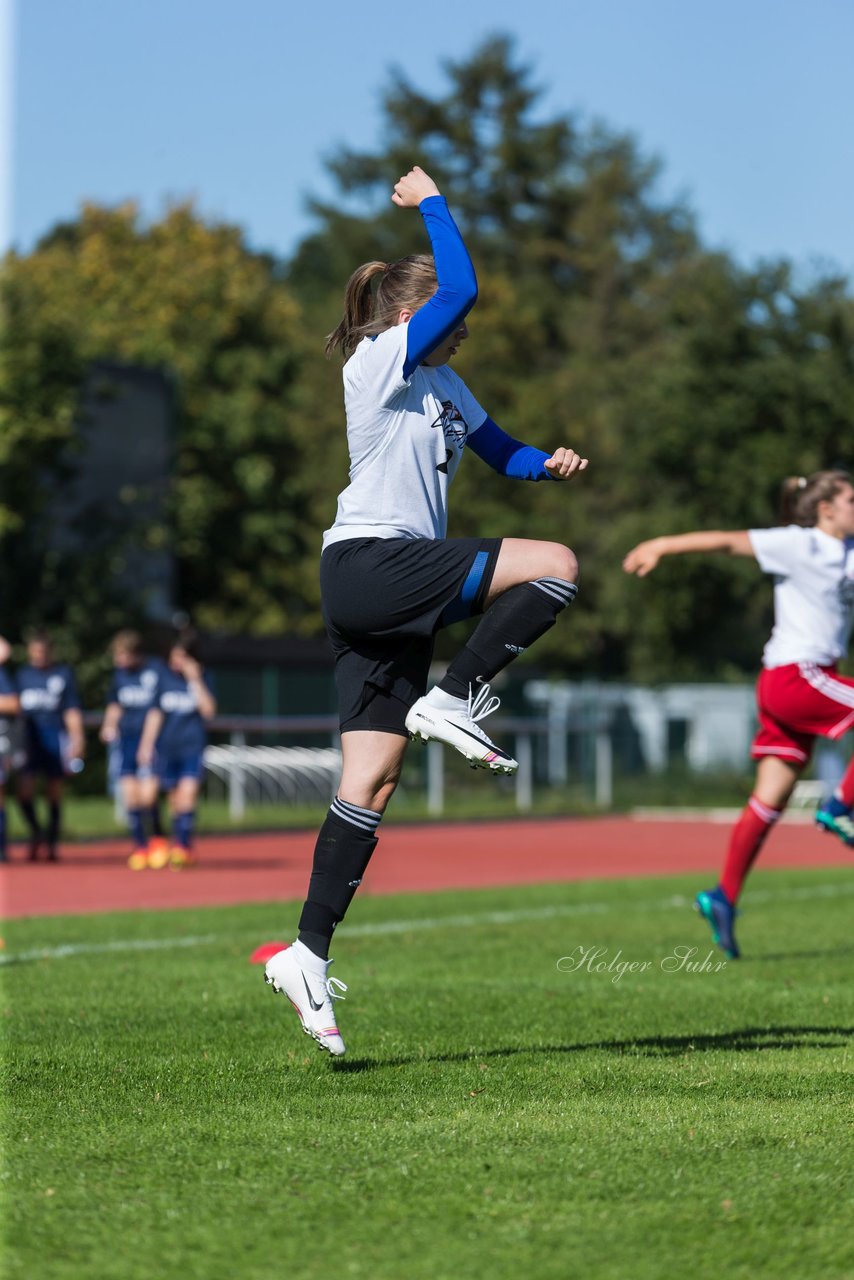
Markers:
(453, 424)
(55, 685)
(148, 679)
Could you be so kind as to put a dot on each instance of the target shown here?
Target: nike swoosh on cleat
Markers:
(498, 752)
(316, 1007)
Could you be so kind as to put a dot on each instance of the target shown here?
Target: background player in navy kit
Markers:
(800, 694)
(175, 728)
(390, 577)
(131, 694)
(9, 707)
(54, 741)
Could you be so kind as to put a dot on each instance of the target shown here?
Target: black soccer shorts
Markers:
(384, 599)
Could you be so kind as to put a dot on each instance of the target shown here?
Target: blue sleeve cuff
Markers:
(507, 456)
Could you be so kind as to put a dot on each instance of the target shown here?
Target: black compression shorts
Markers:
(384, 599)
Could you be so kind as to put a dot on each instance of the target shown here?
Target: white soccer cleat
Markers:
(458, 728)
(310, 991)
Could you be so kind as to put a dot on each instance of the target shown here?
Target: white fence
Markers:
(274, 775)
(306, 775)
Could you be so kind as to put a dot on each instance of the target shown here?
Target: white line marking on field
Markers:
(675, 902)
(99, 948)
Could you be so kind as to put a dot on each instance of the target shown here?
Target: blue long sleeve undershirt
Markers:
(431, 324)
(457, 291)
(507, 456)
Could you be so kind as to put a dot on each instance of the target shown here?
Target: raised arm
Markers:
(456, 293)
(643, 558)
(192, 673)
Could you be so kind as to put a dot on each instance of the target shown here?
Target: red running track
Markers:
(274, 868)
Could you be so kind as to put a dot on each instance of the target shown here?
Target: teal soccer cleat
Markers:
(714, 906)
(834, 816)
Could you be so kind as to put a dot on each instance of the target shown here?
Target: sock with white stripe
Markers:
(747, 838)
(344, 846)
(510, 625)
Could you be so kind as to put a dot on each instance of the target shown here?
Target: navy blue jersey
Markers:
(134, 689)
(183, 731)
(46, 693)
(7, 688)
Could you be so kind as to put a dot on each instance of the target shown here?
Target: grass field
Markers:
(497, 1115)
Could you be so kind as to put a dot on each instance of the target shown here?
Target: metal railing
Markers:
(299, 774)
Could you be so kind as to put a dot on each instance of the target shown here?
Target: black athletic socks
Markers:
(28, 809)
(136, 826)
(344, 846)
(510, 625)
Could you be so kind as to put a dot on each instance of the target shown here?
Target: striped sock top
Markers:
(559, 589)
(365, 819)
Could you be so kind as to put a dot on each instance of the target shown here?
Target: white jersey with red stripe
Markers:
(813, 594)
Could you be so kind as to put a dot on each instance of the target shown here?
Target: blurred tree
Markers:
(693, 385)
(192, 298)
(603, 323)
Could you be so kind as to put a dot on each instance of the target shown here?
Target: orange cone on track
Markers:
(266, 950)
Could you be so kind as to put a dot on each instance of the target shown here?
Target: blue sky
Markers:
(749, 104)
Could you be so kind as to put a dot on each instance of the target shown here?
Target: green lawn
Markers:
(495, 1116)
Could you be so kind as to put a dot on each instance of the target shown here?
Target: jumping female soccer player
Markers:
(174, 726)
(800, 695)
(390, 578)
(132, 691)
(55, 743)
(9, 707)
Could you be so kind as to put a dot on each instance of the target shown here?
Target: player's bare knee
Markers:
(559, 562)
(370, 791)
(570, 572)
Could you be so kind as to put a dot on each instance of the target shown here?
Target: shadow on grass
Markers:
(744, 1039)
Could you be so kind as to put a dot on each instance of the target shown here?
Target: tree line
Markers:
(693, 383)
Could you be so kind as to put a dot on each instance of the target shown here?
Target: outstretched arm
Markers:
(457, 284)
(510, 457)
(643, 558)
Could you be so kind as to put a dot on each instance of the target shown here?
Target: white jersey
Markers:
(406, 438)
(813, 593)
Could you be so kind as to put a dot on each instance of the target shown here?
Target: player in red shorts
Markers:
(799, 693)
